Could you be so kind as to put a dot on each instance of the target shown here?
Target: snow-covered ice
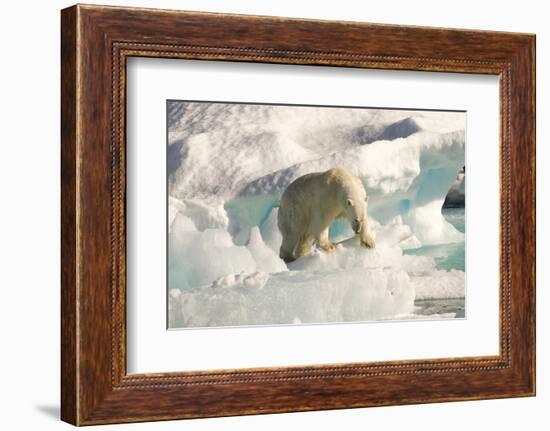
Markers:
(308, 297)
(228, 165)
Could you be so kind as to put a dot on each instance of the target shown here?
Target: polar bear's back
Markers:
(314, 193)
(303, 184)
(296, 202)
(326, 181)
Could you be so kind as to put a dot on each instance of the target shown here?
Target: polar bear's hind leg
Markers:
(304, 246)
(286, 252)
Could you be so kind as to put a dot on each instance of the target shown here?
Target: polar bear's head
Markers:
(355, 202)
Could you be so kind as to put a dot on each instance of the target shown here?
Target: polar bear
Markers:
(312, 202)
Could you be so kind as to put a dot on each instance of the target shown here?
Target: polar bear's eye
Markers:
(350, 202)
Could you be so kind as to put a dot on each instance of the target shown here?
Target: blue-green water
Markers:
(446, 256)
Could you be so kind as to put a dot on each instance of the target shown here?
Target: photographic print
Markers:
(299, 214)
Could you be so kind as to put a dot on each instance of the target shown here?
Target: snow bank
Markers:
(386, 167)
(231, 145)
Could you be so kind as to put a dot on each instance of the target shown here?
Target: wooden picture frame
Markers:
(95, 43)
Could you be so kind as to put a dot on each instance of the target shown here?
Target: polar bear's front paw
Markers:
(327, 246)
(368, 242)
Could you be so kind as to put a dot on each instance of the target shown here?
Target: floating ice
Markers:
(297, 296)
(204, 214)
(429, 225)
(395, 233)
(439, 285)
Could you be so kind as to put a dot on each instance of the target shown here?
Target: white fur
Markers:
(312, 202)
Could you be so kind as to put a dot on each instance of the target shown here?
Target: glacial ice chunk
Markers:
(266, 259)
(198, 258)
(270, 231)
(429, 225)
(204, 214)
(296, 296)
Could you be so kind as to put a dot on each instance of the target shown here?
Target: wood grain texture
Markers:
(69, 367)
(96, 41)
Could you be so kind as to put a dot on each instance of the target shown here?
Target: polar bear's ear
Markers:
(350, 202)
(366, 198)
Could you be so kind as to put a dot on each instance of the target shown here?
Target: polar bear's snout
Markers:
(357, 225)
